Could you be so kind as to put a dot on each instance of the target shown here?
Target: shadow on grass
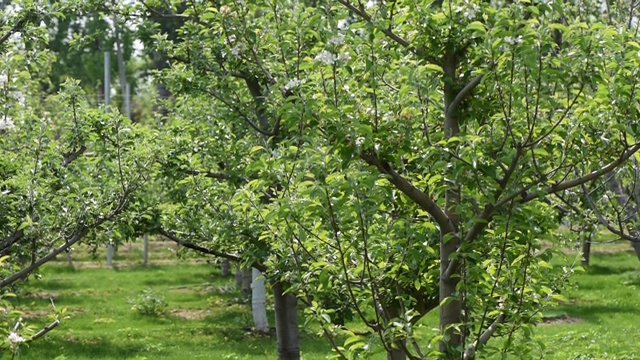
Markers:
(596, 269)
(92, 348)
(594, 313)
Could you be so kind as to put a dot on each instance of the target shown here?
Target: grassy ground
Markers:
(205, 320)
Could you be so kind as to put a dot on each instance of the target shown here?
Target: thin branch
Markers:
(387, 31)
(470, 352)
(207, 174)
(45, 330)
(204, 250)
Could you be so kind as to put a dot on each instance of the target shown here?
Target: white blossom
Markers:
(512, 41)
(20, 97)
(359, 141)
(6, 123)
(343, 24)
(471, 11)
(370, 4)
(326, 57)
(603, 6)
(345, 56)
(3, 79)
(14, 338)
(336, 40)
(293, 83)
(237, 49)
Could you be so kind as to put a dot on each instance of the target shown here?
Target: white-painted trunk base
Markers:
(258, 302)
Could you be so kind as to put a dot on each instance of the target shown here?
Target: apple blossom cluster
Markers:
(328, 58)
(14, 338)
(293, 83)
(6, 123)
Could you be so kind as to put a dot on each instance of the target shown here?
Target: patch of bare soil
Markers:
(41, 313)
(42, 295)
(191, 314)
(561, 319)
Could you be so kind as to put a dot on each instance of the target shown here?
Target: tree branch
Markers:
(9, 241)
(26, 271)
(208, 174)
(204, 250)
(470, 352)
(45, 330)
(586, 178)
(601, 219)
(422, 199)
(387, 31)
(463, 94)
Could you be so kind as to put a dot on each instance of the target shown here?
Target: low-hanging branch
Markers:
(204, 250)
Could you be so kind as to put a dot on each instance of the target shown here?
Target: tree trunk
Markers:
(246, 283)
(238, 277)
(396, 354)
(258, 302)
(286, 323)
(636, 247)
(586, 249)
(159, 63)
(451, 309)
(225, 267)
(145, 250)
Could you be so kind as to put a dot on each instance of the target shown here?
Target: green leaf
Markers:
(477, 26)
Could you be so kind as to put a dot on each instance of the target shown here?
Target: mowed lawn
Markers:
(205, 320)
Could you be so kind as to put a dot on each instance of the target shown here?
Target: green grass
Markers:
(205, 319)
(605, 309)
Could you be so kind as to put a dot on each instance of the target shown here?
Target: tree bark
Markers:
(238, 277)
(225, 267)
(396, 354)
(286, 323)
(258, 302)
(450, 303)
(246, 283)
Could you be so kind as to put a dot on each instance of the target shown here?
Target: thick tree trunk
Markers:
(636, 247)
(238, 277)
(396, 354)
(286, 323)
(225, 267)
(246, 283)
(258, 302)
